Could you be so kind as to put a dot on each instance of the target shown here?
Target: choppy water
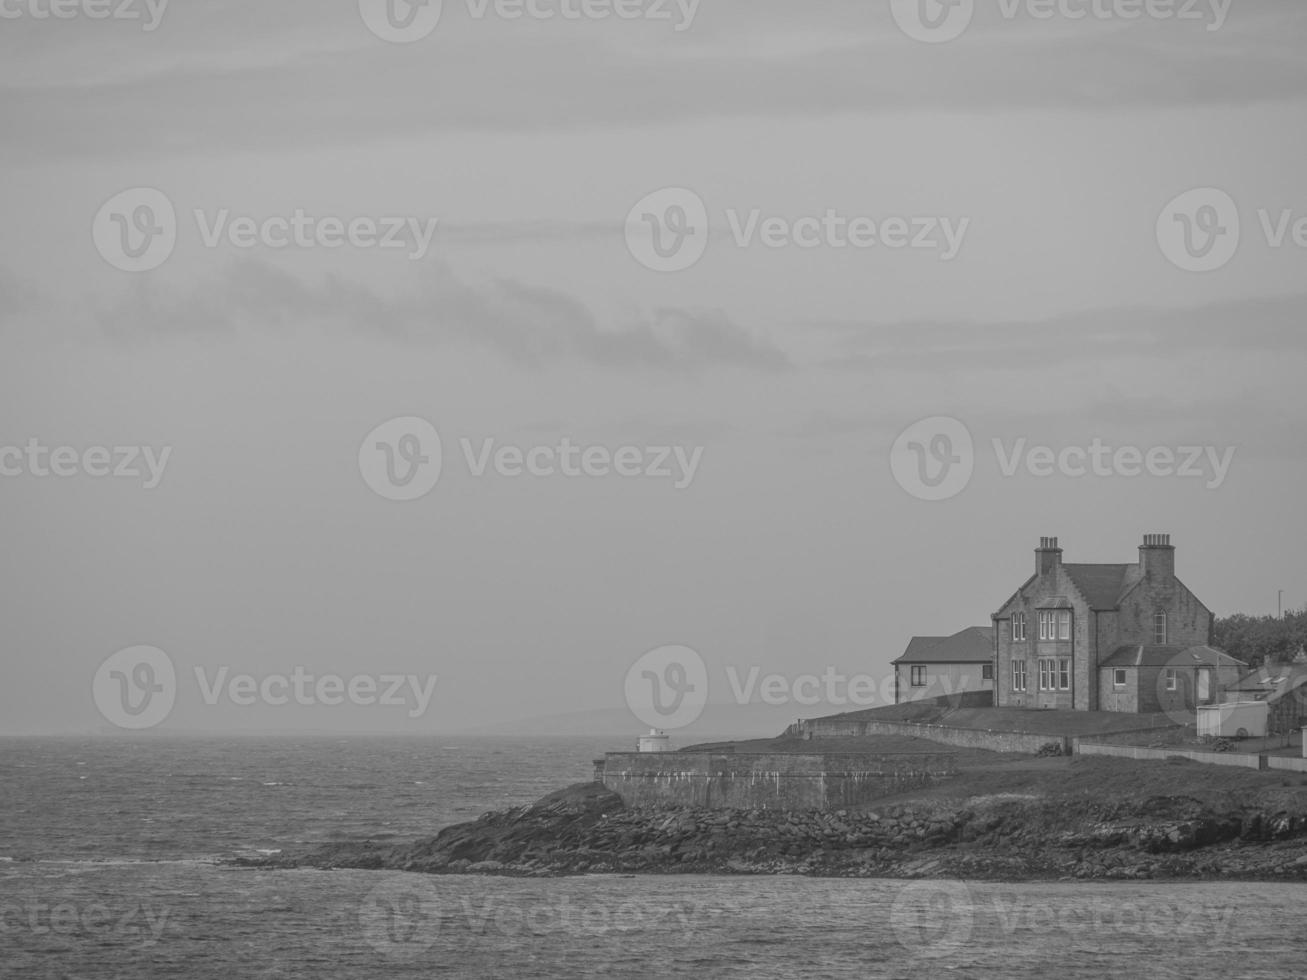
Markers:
(110, 842)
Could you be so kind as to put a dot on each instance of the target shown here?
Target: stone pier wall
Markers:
(785, 781)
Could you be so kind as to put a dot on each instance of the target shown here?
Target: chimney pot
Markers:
(1048, 556)
(1157, 557)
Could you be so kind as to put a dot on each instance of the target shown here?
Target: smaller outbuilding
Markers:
(1153, 678)
(934, 666)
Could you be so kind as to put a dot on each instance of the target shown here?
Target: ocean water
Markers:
(110, 851)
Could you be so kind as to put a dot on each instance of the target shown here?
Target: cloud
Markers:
(523, 322)
(1264, 324)
(1222, 374)
(336, 85)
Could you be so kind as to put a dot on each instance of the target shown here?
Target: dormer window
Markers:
(1159, 629)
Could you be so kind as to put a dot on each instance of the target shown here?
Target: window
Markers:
(986, 672)
(1159, 628)
(1018, 626)
(918, 676)
(1118, 678)
(1055, 674)
(1055, 624)
(1018, 675)
(1172, 680)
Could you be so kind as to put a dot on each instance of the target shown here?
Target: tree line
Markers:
(1258, 640)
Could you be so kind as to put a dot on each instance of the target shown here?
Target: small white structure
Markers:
(1242, 719)
(655, 741)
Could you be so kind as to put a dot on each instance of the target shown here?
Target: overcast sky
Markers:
(1052, 148)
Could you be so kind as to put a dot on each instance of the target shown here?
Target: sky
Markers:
(840, 302)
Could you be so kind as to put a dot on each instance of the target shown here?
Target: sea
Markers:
(115, 863)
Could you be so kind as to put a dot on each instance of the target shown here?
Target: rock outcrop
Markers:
(587, 829)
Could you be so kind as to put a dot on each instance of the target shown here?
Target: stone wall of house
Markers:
(1053, 584)
(1113, 698)
(818, 781)
(1188, 621)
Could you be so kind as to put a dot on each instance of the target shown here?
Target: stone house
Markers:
(1108, 637)
(932, 666)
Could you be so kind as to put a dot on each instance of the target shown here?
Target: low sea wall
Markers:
(747, 780)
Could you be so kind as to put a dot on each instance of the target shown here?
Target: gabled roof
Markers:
(973, 645)
(1014, 595)
(1170, 656)
(1269, 683)
(1101, 585)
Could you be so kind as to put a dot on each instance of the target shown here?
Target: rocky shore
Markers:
(1004, 836)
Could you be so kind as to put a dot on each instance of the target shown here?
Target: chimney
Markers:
(1047, 556)
(1157, 557)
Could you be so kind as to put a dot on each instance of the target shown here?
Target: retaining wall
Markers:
(992, 739)
(788, 781)
(1138, 752)
(1173, 733)
(1286, 762)
(997, 741)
